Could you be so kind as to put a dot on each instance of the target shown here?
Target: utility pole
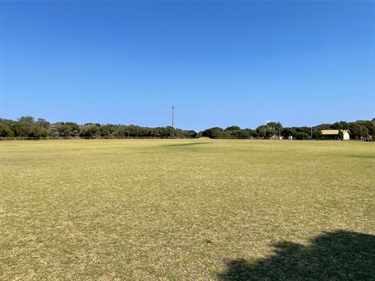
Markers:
(173, 117)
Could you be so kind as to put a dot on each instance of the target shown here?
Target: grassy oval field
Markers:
(187, 210)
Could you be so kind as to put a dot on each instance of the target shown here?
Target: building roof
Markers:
(333, 132)
(330, 132)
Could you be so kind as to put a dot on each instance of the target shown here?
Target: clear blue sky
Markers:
(220, 63)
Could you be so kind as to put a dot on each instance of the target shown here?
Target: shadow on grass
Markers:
(187, 144)
(339, 255)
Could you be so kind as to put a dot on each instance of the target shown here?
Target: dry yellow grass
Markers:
(173, 209)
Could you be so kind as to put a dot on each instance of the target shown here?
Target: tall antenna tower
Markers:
(173, 116)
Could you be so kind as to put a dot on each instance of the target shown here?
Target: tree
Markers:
(43, 123)
(270, 130)
(120, 132)
(169, 132)
(302, 136)
(364, 132)
(73, 129)
(190, 134)
(317, 134)
(108, 130)
(358, 131)
(27, 120)
(35, 131)
(342, 125)
(232, 128)
(133, 131)
(250, 132)
(6, 131)
(67, 130)
(213, 133)
(241, 134)
(304, 129)
(369, 125)
(21, 129)
(89, 130)
(288, 132)
(274, 126)
(262, 131)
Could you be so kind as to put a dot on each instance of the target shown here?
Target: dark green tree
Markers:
(369, 125)
(36, 132)
(241, 134)
(213, 133)
(21, 129)
(6, 131)
(302, 136)
(288, 132)
(108, 130)
(262, 131)
(232, 128)
(342, 125)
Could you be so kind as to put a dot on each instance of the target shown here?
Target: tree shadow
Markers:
(339, 255)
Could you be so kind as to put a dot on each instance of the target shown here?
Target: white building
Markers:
(336, 134)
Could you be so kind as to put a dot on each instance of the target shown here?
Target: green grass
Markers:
(185, 209)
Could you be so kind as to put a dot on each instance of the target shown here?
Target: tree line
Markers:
(28, 127)
(360, 130)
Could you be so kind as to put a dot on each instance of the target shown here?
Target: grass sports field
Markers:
(187, 210)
